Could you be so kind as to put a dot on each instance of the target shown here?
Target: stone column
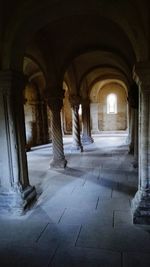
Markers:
(75, 101)
(131, 131)
(86, 130)
(135, 150)
(141, 201)
(133, 104)
(55, 104)
(15, 190)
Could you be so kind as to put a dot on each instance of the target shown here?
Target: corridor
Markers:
(82, 216)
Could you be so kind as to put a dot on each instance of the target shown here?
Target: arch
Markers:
(104, 71)
(109, 107)
(18, 35)
(103, 74)
(36, 60)
(100, 83)
(32, 69)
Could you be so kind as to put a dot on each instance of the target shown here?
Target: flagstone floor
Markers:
(82, 216)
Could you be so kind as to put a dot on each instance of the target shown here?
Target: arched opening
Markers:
(112, 104)
(109, 107)
(37, 122)
(99, 71)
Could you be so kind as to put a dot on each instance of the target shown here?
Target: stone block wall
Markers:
(99, 116)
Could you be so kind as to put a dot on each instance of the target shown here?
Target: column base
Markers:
(141, 207)
(77, 148)
(135, 164)
(16, 201)
(58, 163)
(127, 141)
(87, 140)
(95, 131)
(28, 147)
(131, 149)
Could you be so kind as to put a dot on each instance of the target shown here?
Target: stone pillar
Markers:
(141, 201)
(55, 104)
(75, 101)
(15, 190)
(86, 130)
(131, 131)
(135, 162)
(133, 97)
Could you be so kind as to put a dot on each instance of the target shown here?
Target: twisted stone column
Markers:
(74, 101)
(15, 191)
(141, 201)
(58, 161)
(86, 130)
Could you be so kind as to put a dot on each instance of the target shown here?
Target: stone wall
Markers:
(100, 119)
(112, 122)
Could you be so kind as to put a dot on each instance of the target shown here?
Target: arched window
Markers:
(111, 104)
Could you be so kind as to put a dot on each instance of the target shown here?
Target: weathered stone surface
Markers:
(77, 257)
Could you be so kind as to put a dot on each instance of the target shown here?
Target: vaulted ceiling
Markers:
(84, 39)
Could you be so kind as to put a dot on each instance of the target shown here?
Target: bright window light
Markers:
(111, 104)
(80, 110)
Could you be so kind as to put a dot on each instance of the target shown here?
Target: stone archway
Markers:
(117, 119)
(101, 119)
(35, 107)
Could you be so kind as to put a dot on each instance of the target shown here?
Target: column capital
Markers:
(12, 81)
(54, 98)
(75, 100)
(54, 91)
(55, 103)
(85, 101)
(141, 75)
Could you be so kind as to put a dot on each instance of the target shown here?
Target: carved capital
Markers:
(54, 98)
(12, 82)
(85, 102)
(54, 92)
(74, 100)
(141, 75)
(55, 103)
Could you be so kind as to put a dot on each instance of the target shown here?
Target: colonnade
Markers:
(15, 190)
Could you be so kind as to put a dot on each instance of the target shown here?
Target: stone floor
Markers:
(82, 216)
